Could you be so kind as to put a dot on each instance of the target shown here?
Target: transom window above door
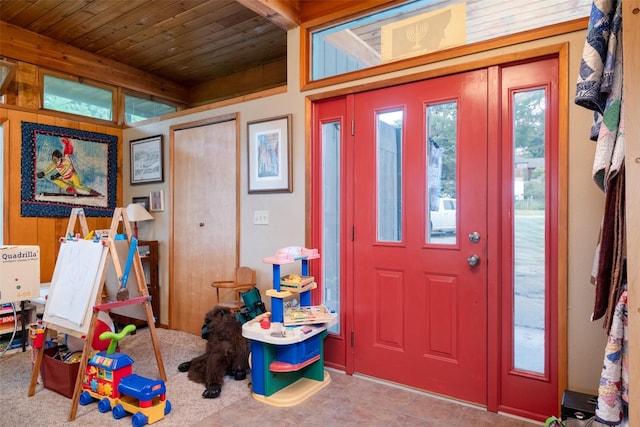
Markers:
(422, 27)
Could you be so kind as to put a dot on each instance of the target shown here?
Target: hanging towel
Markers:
(609, 259)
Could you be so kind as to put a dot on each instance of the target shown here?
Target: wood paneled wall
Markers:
(44, 232)
(26, 46)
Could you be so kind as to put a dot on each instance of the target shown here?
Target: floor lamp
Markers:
(136, 212)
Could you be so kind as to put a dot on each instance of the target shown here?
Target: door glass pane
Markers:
(441, 214)
(331, 218)
(389, 175)
(529, 279)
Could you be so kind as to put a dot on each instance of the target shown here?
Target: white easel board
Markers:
(74, 287)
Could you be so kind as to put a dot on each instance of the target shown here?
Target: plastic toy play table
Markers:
(287, 362)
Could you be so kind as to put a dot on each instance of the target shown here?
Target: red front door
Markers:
(420, 278)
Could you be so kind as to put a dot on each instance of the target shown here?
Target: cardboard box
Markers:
(19, 273)
(58, 375)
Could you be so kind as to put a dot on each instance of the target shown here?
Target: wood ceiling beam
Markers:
(356, 47)
(288, 14)
(19, 44)
(285, 14)
(319, 12)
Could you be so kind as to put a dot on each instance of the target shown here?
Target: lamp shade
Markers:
(136, 212)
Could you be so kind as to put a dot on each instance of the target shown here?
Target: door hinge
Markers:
(353, 127)
(353, 232)
(352, 338)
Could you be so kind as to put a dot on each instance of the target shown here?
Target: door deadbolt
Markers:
(474, 237)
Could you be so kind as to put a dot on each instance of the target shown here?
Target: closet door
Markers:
(204, 236)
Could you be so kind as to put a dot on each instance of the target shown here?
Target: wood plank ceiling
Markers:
(186, 51)
(188, 42)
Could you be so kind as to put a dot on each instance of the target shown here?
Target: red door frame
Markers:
(337, 348)
(526, 394)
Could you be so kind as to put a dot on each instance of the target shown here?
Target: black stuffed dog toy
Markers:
(227, 352)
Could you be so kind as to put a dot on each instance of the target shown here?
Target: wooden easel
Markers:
(119, 215)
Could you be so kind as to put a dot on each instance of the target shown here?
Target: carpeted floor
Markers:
(48, 408)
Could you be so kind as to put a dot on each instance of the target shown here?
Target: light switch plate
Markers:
(261, 217)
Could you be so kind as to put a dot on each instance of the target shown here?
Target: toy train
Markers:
(109, 379)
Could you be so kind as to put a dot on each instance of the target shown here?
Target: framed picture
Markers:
(269, 155)
(147, 160)
(63, 169)
(156, 201)
(144, 201)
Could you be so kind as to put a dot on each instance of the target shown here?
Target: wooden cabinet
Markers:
(148, 250)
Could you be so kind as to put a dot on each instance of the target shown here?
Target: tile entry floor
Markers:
(357, 401)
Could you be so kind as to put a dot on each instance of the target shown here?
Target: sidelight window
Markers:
(529, 207)
(331, 190)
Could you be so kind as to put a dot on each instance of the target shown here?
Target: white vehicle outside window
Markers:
(443, 220)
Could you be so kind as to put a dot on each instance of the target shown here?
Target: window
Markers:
(441, 166)
(141, 107)
(332, 187)
(389, 175)
(529, 230)
(7, 73)
(78, 97)
(424, 26)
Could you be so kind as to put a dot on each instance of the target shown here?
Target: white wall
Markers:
(586, 340)
(286, 210)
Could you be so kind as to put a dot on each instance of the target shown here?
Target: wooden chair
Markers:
(245, 279)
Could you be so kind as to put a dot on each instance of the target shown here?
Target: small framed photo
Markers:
(269, 155)
(156, 201)
(144, 201)
(144, 250)
(147, 160)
